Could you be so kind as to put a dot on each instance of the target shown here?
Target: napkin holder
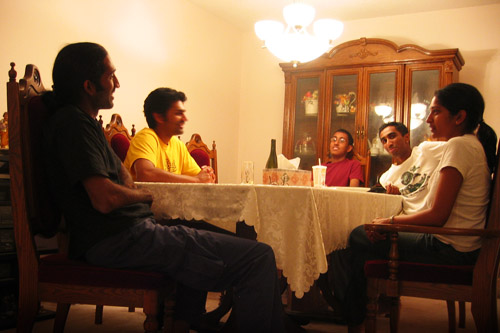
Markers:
(286, 177)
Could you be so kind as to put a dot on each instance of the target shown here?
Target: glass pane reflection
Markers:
(423, 85)
(381, 107)
(344, 106)
(306, 121)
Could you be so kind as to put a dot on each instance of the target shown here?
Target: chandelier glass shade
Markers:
(383, 110)
(418, 115)
(294, 43)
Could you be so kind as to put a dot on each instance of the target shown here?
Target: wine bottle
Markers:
(272, 161)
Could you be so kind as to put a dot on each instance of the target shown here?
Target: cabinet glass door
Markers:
(306, 121)
(423, 85)
(344, 106)
(383, 105)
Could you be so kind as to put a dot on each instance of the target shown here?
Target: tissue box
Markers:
(286, 177)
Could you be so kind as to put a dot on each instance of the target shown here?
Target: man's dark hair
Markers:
(400, 127)
(75, 64)
(160, 101)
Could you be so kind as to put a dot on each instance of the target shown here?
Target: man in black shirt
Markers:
(109, 219)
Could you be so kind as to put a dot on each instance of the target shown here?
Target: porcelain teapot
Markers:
(345, 102)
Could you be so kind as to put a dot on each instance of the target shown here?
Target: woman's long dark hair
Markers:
(463, 96)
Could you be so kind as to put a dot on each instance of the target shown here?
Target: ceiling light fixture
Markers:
(418, 114)
(294, 44)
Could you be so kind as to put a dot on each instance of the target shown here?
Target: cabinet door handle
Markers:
(357, 133)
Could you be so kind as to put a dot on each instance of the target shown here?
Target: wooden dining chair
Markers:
(365, 165)
(118, 136)
(54, 277)
(202, 154)
(475, 284)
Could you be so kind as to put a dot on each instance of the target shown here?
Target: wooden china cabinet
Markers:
(358, 86)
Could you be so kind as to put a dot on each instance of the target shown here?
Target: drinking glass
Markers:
(247, 172)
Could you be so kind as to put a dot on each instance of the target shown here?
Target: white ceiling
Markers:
(244, 13)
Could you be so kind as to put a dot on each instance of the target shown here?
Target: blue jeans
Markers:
(201, 261)
(347, 276)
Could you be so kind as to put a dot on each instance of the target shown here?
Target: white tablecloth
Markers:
(301, 224)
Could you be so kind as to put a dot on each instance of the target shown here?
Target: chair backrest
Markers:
(118, 137)
(202, 154)
(120, 145)
(116, 126)
(33, 209)
(365, 165)
(486, 268)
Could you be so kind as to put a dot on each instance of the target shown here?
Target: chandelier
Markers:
(295, 44)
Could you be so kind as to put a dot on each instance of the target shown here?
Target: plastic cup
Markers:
(319, 175)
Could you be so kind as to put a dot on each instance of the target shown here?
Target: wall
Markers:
(473, 30)
(235, 89)
(152, 43)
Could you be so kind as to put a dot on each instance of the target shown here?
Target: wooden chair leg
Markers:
(62, 311)
(452, 323)
(461, 314)
(372, 306)
(98, 314)
(484, 312)
(168, 315)
(150, 307)
(394, 317)
(26, 313)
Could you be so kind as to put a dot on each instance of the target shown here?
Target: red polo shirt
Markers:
(340, 173)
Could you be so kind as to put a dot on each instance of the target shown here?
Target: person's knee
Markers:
(264, 255)
(361, 245)
(266, 250)
(358, 238)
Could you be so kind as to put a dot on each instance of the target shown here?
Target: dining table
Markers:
(301, 224)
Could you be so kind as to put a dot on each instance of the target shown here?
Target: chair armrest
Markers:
(487, 233)
(394, 229)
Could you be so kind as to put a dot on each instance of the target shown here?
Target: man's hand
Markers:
(146, 194)
(206, 175)
(391, 189)
(145, 171)
(374, 236)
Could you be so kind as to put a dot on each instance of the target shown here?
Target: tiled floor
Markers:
(417, 316)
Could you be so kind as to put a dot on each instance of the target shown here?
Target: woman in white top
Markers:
(458, 197)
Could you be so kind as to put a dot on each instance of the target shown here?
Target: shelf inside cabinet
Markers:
(350, 114)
